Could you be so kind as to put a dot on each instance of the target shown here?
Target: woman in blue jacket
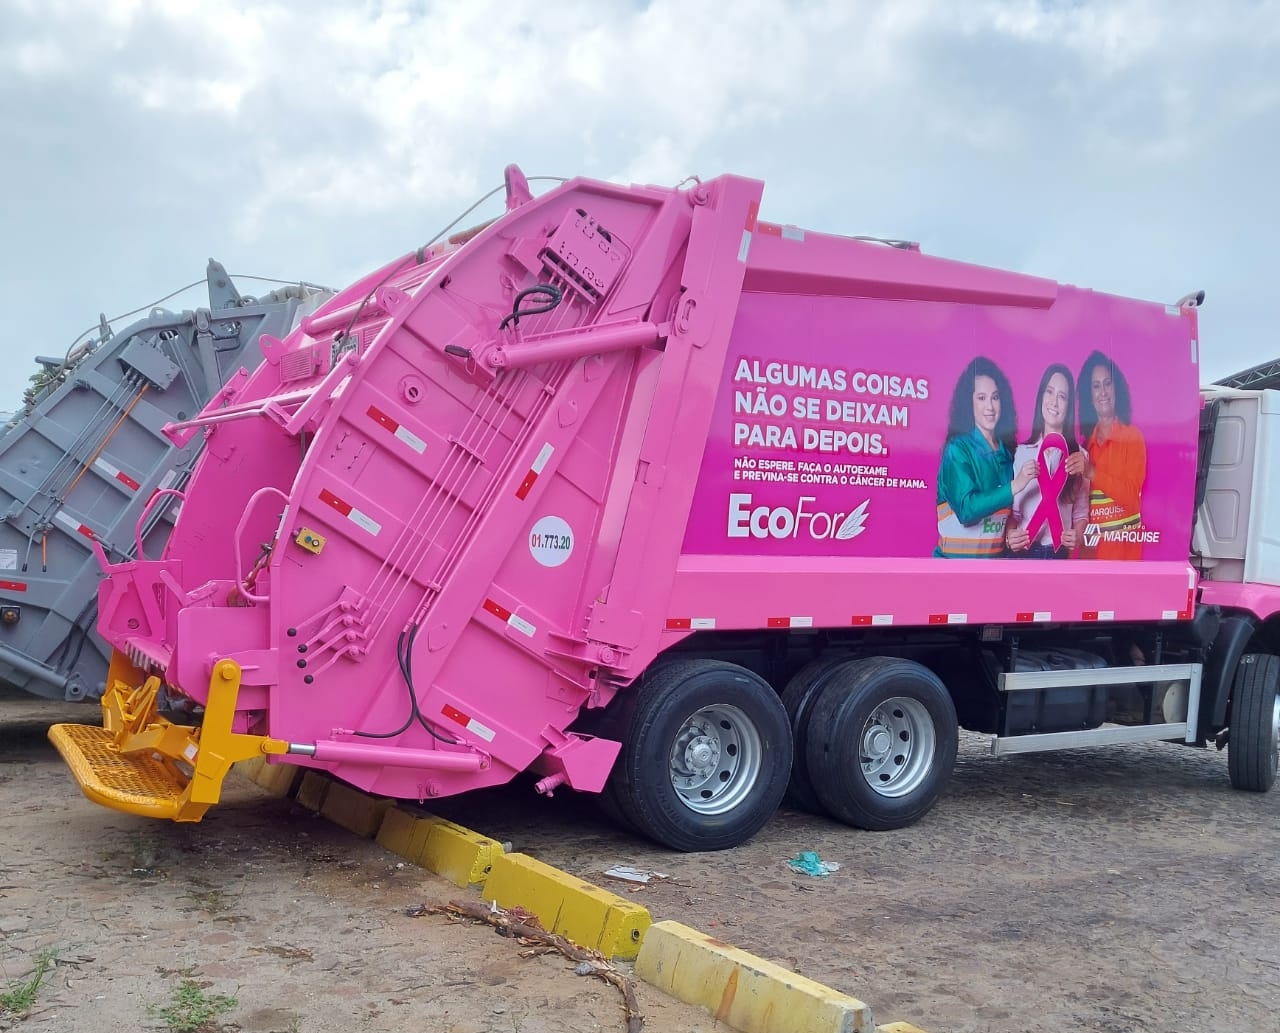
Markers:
(976, 480)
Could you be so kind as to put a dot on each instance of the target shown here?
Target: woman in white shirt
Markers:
(1055, 414)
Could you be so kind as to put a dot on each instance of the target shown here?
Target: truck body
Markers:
(647, 497)
(87, 457)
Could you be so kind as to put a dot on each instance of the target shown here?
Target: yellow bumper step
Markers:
(137, 784)
(140, 763)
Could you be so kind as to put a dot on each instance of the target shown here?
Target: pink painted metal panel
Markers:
(432, 529)
(843, 593)
(1262, 601)
(829, 431)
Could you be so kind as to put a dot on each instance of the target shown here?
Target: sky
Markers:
(1130, 146)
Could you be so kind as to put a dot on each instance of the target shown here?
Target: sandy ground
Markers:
(303, 924)
(1115, 890)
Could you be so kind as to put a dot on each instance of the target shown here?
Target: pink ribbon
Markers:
(1051, 485)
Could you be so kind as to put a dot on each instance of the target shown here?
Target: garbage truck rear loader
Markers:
(643, 495)
(87, 458)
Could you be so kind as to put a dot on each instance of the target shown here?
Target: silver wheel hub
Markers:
(1275, 724)
(877, 743)
(898, 744)
(715, 759)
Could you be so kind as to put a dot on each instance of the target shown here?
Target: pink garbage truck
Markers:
(635, 492)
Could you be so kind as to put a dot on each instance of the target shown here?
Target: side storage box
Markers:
(1067, 709)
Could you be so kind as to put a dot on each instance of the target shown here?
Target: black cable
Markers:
(408, 677)
(413, 699)
(404, 651)
(420, 253)
(546, 289)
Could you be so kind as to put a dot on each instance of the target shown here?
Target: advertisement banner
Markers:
(865, 427)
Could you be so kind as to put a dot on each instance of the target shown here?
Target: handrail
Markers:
(235, 543)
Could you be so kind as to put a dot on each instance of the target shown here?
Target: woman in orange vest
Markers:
(1117, 461)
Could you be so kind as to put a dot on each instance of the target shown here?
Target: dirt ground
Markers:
(1112, 889)
(303, 924)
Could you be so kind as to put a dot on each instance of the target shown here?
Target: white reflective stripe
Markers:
(482, 731)
(365, 521)
(1106, 615)
(1042, 616)
(1168, 615)
(745, 247)
(411, 439)
(881, 619)
(544, 457)
(802, 622)
(521, 625)
(702, 623)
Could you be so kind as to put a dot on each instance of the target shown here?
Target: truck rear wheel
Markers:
(1254, 746)
(881, 742)
(798, 698)
(706, 758)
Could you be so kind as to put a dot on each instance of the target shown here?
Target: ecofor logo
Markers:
(748, 521)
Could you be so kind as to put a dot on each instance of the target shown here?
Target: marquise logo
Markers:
(748, 521)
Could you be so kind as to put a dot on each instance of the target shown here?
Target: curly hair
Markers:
(961, 422)
(1124, 401)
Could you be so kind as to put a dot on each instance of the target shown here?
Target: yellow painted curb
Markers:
(742, 990)
(451, 851)
(312, 790)
(278, 779)
(586, 914)
(354, 810)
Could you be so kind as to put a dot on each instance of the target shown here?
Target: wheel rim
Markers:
(897, 747)
(715, 759)
(1275, 726)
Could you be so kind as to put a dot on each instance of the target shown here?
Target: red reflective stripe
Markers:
(501, 612)
(1026, 618)
(330, 499)
(382, 418)
(526, 486)
(12, 586)
(779, 622)
(753, 213)
(679, 623)
(861, 620)
(454, 714)
(127, 481)
(1089, 615)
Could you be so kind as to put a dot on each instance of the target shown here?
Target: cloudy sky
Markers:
(1132, 146)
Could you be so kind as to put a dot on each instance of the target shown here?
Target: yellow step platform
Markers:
(138, 784)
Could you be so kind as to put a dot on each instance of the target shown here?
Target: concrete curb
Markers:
(740, 989)
(587, 915)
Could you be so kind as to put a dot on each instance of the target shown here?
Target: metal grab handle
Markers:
(146, 511)
(235, 542)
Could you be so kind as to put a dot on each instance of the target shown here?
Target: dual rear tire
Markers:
(709, 748)
(875, 740)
